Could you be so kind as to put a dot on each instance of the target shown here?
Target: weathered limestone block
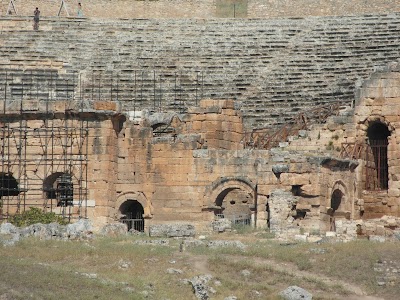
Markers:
(172, 230)
(391, 110)
(295, 179)
(295, 293)
(380, 230)
(393, 201)
(105, 105)
(310, 189)
(59, 106)
(393, 192)
(277, 169)
(280, 205)
(114, 229)
(221, 225)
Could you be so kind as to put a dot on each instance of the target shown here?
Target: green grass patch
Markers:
(63, 269)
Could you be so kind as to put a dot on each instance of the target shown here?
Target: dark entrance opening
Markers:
(336, 200)
(132, 212)
(8, 185)
(59, 186)
(376, 157)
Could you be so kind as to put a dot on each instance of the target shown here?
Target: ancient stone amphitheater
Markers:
(202, 113)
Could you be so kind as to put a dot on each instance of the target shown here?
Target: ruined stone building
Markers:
(286, 124)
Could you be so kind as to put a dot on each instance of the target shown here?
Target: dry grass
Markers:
(116, 268)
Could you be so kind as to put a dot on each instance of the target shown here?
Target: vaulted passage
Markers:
(234, 205)
(132, 215)
(376, 168)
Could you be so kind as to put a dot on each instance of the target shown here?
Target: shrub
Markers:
(330, 146)
(35, 215)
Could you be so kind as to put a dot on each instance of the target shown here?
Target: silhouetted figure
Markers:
(36, 16)
(80, 11)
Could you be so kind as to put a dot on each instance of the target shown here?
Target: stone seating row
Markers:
(298, 64)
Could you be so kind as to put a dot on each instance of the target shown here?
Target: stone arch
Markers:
(140, 198)
(232, 198)
(372, 119)
(225, 183)
(132, 214)
(161, 123)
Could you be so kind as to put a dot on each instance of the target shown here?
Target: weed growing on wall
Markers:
(35, 215)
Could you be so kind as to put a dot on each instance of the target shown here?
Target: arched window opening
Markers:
(8, 185)
(336, 201)
(376, 168)
(59, 186)
(132, 215)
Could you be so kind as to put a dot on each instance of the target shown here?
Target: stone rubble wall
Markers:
(273, 68)
(181, 174)
(377, 101)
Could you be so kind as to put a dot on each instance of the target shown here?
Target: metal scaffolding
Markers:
(44, 155)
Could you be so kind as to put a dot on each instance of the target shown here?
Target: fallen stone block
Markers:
(114, 229)
(295, 293)
(172, 230)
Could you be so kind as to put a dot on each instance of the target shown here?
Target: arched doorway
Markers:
(234, 204)
(59, 186)
(132, 215)
(376, 168)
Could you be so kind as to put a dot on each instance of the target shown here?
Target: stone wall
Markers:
(273, 68)
(204, 8)
(184, 174)
(287, 8)
(346, 135)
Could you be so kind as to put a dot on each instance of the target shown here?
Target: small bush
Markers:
(266, 235)
(242, 228)
(303, 264)
(330, 146)
(35, 215)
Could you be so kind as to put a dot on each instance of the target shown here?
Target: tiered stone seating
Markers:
(275, 67)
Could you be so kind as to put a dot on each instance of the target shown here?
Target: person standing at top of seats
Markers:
(80, 11)
(36, 15)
